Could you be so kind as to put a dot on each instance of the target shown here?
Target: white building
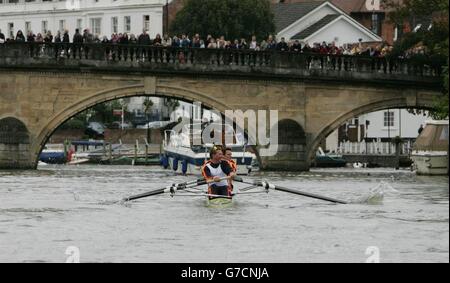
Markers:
(380, 126)
(392, 123)
(102, 17)
(317, 22)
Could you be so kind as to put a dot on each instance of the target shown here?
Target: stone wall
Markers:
(128, 136)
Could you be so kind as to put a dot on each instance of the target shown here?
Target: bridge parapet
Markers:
(225, 62)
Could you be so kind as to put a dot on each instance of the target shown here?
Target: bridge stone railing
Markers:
(271, 63)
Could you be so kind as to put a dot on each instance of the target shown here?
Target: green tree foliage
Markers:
(230, 18)
(172, 105)
(435, 39)
(147, 104)
(102, 112)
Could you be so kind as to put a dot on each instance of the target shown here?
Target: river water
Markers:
(47, 214)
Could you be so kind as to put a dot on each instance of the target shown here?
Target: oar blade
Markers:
(287, 190)
(181, 186)
(144, 195)
(267, 186)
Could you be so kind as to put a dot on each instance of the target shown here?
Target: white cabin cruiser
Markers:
(430, 153)
(182, 154)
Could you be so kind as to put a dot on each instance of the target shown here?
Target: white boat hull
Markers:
(430, 163)
(185, 160)
(183, 154)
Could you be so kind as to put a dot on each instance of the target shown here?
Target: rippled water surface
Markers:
(44, 212)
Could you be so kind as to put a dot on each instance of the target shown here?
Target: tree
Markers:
(148, 104)
(233, 19)
(434, 37)
(172, 105)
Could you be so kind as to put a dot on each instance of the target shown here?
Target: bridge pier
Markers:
(16, 156)
(15, 147)
(288, 158)
(291, 150)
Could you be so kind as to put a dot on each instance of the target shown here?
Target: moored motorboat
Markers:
(430, 152)
(54, 154)
(180, 154)
(328, 160)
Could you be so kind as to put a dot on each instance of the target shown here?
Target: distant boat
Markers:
(328, 160)
(430, 152)
(180, 153)
(53, 154)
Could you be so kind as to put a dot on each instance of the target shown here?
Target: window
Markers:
(27, 27)
(114, 24)
(389, 119)
(44, 27)
(62, 25)
(80, 24)
(376, 24)
(96, 26)
(13, 1)
(146, 25)
(11, 30)
(398, 32)
(72, 4)
(127, 23)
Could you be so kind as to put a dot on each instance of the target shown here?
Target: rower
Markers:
(215, 170)
(228, 156)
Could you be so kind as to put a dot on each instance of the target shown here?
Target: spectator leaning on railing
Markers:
(81, 45)
(2, 37)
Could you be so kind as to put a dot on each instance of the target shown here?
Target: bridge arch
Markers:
(13, 131)
(399, 103)
(162, 90)
(291, 147)
(291, 133)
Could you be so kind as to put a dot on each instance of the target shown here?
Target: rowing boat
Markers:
(219, 202)
(191, 188)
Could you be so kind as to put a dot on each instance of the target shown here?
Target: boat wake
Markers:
(376, 195)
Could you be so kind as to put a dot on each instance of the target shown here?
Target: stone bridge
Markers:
(43, 85)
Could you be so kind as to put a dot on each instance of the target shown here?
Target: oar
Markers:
(172, 189)
(180, 186)
(267, 186)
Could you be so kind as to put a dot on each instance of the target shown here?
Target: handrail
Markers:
(164, 57)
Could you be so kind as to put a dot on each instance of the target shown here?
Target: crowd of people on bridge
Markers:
(210, 42)
(178, 48)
